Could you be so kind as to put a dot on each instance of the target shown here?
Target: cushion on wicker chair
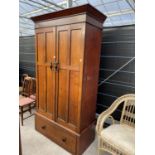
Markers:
(25, 101)
(120, 136)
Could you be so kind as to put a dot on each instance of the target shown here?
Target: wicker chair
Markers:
(28, 98)
(118, 139)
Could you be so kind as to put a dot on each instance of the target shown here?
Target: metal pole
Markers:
(29, 28)
(69, 3)
(30, 4)
(26, 23)
(23, 17)
(52, 3)
(116, 71)
(42, 4)
(130, 5)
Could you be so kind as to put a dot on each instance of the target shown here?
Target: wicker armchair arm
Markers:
(102, 118)
(104, 115)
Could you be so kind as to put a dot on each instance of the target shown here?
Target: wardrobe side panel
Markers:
(91, 74)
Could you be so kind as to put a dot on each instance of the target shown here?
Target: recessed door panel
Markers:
(62, 74)
(50, 45)
(42, 88)
(76, 46)
(40, 47)
(63, 46)
(45, 74)
(69, 76)
(62, 95)
(50, 91)
(73, 97)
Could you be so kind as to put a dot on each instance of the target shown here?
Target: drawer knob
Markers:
(43, 127)
(64, 139)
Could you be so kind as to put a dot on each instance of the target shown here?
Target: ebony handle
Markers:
(43, 127)
(51, 65)
(55, 66)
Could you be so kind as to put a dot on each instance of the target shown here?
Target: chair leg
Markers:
(30, 108)
(21, 108)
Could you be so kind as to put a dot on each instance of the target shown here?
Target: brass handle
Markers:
(55, 66)
(51, 65)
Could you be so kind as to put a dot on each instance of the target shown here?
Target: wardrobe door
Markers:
(70, 40)
(45, 45)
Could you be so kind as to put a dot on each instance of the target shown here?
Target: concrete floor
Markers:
(34, 143)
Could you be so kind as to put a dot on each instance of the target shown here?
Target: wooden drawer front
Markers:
(57, 134)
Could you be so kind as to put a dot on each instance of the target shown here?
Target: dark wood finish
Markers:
(29, 88)
(67, 62)
(69, 42)
(33, 86)
(23, 78)
(24, 109)
(21, 111)
(59, 135)
(20, 142)
(45, 45)
(85, 139)
(66, 138)
(26, 86)
(80, 18)
(91, 74)
(117, 47)
(87, 8)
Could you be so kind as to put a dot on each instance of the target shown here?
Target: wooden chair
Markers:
(33, 88)
(118, 139)
(27, 100)
(23, 78)
(24, 103)
(26, 86)
(22, 82)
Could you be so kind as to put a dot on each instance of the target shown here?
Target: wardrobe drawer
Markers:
(59, 135)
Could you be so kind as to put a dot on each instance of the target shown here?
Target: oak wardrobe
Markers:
(68, 44)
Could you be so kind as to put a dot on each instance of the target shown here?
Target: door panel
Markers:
(59, 91)
(62, 75)
(50, 45)
(73, 97)
(40, 47)
(42, 88)
(75, 47)
(63, 43)
(69, 55)
(50, 92)
(45, 75)
(62, 95)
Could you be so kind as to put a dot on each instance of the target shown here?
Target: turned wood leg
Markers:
(21, 108)
(30, 108)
